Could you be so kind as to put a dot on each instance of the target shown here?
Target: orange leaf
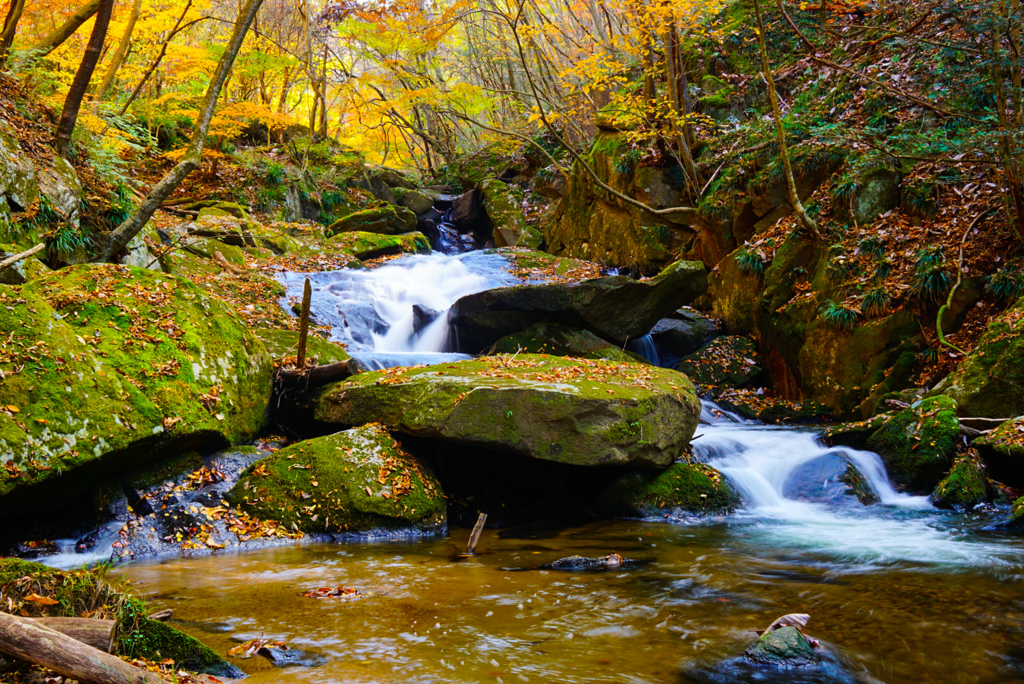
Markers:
(43, 600)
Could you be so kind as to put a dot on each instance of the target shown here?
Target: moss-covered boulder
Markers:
(918, 444)
(617, 308)
(990, 381)
(384, 219)
(106, 366)
(18, 181)
(680, 489)
(414, 200)
(353, 482)
(782, 648)
(567, 410)
(22, 271)
(504, 206)
(1002, 451)
(558, 340)
(363, 245)
(219, 209)
(965, 486)
(729, 361)
(1016, 519)
(284, 343)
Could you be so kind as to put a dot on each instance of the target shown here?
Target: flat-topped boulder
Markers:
(575, 411)
(617, 308)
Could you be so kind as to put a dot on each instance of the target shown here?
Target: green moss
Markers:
(14, 568)
(965, 486)
(283, 343)
(363, 245)
(385, 219)
(691, 488)
(782, 648)
(919, 443)
(359, 480)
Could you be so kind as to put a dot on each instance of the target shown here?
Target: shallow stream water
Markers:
(897, 591)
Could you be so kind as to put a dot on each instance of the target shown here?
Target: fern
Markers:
(1005, 283)
(839, 316)
(930, 281)
(876, 302)
(749, 261)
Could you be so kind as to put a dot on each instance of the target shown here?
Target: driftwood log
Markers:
(33, 642)
(318, 376)
(96, 633)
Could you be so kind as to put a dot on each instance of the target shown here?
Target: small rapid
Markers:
(397, 314)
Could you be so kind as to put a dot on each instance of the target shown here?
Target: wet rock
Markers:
(558, 340)
(730, 361)
(682, 488)
(965, 486)
(918, 444)
(570, 411)
(612, 561)
(830, 478)
(681, 333)
(354, 482)
(990, 381)
(469, 216)
(1016, 519)
(782, 648)
(287, 656)
(1002, 452)
(136, 365)
(369, 245)
(504, 206)
(383, 219)
(422, 316)
(616, 308)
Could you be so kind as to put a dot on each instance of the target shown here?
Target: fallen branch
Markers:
(38, 644)
(10, 261)
(227, 265)
(96, 633)
(318, 376)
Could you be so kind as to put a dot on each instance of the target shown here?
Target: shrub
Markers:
(930, 281)
(838, 315)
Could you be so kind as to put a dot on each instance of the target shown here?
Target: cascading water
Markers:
(397, 314)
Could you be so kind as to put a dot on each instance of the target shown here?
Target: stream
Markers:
(897, 591)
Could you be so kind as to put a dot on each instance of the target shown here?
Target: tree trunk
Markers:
(65, 30)
(10, 28)
(76, 92)
(123, 234)
(119, 53)
(96, 633)
(37, 644)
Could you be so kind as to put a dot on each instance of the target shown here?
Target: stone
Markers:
(134, 365)
(416, 202)
(680, 489)
(393, 178)
(359, 481)
(877, 193)
(831, 478)
(990, 381)
(139, 256)
(587, 413)
(729, 361)
(384, 219)
(782, 648)
(219, 208)
(60, 186)
(1015, 521)
(283, 343)
(965, 486)
(18, 181)
(681, 333)
(918, 444)
(504, 206)
(365, 246)
(22, 271)
(617, 308)
(469, 216)
(549, 182)
(1002, 452)
(422, 316)
(558, 340)
(378, 188)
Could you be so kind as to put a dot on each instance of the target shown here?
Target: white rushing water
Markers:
(794, 499)
(374, 311)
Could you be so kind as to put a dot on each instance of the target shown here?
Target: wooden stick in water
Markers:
(307, 295)
(474, 536)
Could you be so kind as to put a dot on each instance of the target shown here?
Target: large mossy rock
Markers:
(18, 182)
(504, 206)
(558, 340)
(112, 366)
(729, 361)
(965, 486)
(680, 489)
(364, 246)
(1002, 451)
(918, 444)
(358, 481)
(990, 381)
(617, 308)
(782, 648)
(385, 219)
(573, 411)
(284, 343)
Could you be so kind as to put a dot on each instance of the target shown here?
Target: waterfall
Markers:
(644, 347)
(397, 314)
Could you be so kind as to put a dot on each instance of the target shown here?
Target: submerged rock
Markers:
(680, 489)
(730, 361)
(566, 410)
(785, 647)
(965, 486)
(610, 562)
(918, 444)
(558, 340)
(830, 478)
(108, 366)
(354, 482)
(617, 308)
